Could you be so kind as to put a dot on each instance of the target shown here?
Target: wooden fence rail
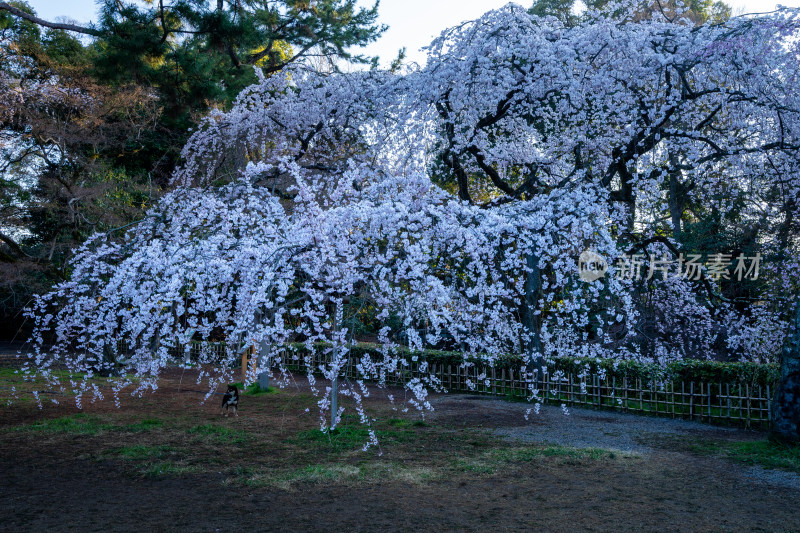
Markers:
(739, 404)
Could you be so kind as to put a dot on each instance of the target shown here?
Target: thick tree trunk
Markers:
(532, 321)
(107, 365)
(630, 203)
(785, 229)
(675, 206)
(786, 405)
(675, 198)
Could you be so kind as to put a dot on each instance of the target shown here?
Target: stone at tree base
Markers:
(264, 364)
(786, 405)
(263, 381)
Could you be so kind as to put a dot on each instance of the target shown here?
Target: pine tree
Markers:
(92, 127)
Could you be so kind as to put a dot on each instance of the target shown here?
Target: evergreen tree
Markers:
(91, 128)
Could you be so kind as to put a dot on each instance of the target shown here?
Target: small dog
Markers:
(231, 399)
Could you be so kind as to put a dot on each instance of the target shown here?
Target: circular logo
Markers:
(591, 266)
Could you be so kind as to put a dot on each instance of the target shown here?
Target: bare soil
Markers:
(167, 462)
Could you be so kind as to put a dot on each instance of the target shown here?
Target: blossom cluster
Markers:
(317, 194)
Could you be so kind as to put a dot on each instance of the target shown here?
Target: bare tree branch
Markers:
(13, 245)
(5, 6)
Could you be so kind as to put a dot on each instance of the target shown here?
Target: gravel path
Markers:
(586, 428)
(609, 430)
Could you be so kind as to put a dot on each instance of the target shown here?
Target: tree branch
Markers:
(13, 245)
(5, 6)
(491, 172)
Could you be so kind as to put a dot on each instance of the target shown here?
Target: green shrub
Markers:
(753, 374)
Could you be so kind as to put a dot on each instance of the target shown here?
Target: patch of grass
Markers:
(766, 454)
(531, 453)
(10, 373)
(157, 460)
(763, 453)
(138, 452)
(343, 438)
(78, 424)
(368, 472)
(17, 387)
(161, 469)
(490, 460)
(16, 374)
(401, 423)
(351, 434)
(88, 424)
(307, 474)
(145, 425)
(322, 473)
(398, 423)
(476, 466)
(7, 401)
(242, 471)
(497, 459)
(255, 390)
(220, 434)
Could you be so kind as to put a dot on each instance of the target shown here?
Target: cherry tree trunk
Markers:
(786, 406)
(531, 320)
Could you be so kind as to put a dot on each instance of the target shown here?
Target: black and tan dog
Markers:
(231, 399)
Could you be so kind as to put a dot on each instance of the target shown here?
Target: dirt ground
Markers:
(166, 462)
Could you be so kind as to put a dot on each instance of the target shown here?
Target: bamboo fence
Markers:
(740, 404)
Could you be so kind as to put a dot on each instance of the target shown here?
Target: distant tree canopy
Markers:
(92, 119)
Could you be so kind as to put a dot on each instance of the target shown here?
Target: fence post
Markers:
(654, 394)
(597, 391)
(625, 391)
(728, 399)
(546, 384)
(747, 389)
(641, 398)
(702, 398)
(672, 392)
(769, 408)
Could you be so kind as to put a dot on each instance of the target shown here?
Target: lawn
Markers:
(452, 468)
